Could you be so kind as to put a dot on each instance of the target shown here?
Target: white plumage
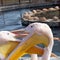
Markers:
(42, 29)
(6, 36)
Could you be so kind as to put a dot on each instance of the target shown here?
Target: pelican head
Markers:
(6, 36)
(42, 29)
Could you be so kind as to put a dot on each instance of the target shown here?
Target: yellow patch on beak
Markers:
(25, 45)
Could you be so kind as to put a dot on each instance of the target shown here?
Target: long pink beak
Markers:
(20, 33)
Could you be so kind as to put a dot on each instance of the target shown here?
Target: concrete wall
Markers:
(55, 0)
(0, 2)
(24, 1)
(10, 2)
(43, 1)
(40, 1)
(35, 1)
(14, 2)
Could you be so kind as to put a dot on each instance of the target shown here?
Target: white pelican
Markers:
(41, 29)
(57, 8)
(6, 36)
(45, 9)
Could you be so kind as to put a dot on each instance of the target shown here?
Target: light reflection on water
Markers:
(11, 21)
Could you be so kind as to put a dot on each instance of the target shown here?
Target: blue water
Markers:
(11, 21)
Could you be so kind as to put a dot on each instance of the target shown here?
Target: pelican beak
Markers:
(20, 33)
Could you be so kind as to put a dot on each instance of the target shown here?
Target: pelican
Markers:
(34, 11)
(45, 9)
(57, 8)
(6, 36)
(41, 29)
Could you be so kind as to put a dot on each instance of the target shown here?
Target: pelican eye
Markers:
(31, 26)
